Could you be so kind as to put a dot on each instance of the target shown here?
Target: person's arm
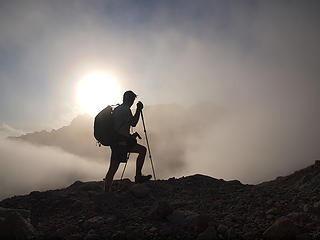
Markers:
(136, 116)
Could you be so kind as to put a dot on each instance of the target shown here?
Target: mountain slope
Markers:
(193, 207)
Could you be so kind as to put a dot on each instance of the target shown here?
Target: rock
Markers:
(14, 226)
(250, 235)
(140, 190)
(269, 202)
(86, 186)
(76, 205)
(92, 235)
(272, 211)
(277, 205)
(185, 217)
(176, 217)
(96, 219)
(201, 223)
(23, 212)
(222, 229)
(132, 233)
(153, 229)
(180, 203)
(209, 234)
(234, 182)
(269, 216)
(160, 210)
(125, 184)
(110, 219)
(230, 234)
(298, 217)
(120, 235)
(306, 208)
(304, 236)
(66, 231)
(316, 207)
(282, 228)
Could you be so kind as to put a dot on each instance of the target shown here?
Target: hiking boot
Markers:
(105, 187)
(142, 179)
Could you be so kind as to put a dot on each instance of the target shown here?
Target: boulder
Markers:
(125, 184)
(201, 223)
(231, 234)
(79, 186)
(272, 211)
(160, 210)
(316, 207)
(23, 212)
(140, 190)
(120, 235)
(92, 235)
(282, 228)
(96, 219)
(209, 234)
(299, 217)
(14, 226)
(306, 208)
(222, 229)
(177, 217)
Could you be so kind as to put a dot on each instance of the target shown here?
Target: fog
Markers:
(183, 143)
(25, 168)
(252, 66)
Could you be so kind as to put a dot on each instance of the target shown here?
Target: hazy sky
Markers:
(257, 60)
(233, 53)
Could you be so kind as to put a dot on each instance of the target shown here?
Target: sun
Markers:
(97, 90)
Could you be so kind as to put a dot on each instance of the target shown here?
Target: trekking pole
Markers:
(145, 133)
(124, 168)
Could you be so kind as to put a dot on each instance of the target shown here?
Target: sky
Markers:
(256, 60)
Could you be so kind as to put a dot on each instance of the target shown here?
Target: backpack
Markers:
(104, 132)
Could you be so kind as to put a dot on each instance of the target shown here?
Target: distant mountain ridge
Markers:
(76, 138)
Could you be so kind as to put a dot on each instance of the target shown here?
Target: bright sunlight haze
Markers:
(97, 90)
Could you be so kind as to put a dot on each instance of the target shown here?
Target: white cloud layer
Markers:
(25, 168)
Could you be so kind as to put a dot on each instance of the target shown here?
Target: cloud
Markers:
(6, 130)
(25, 168)
(251, 145)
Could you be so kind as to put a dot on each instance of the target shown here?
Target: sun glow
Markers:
(97, 90)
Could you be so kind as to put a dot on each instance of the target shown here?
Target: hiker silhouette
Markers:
(126, 142)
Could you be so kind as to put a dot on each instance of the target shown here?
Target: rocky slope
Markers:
(193, 207)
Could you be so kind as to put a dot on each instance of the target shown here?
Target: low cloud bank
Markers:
(25, 168)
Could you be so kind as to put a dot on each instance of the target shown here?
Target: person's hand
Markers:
(139, 106)
(136, 135)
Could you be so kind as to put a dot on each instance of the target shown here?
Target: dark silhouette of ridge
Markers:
(76, 138)
(192, 207)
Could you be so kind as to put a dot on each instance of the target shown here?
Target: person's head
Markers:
(129, 97)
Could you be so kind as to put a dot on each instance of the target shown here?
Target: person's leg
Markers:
(114, 165)
(141, 150)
